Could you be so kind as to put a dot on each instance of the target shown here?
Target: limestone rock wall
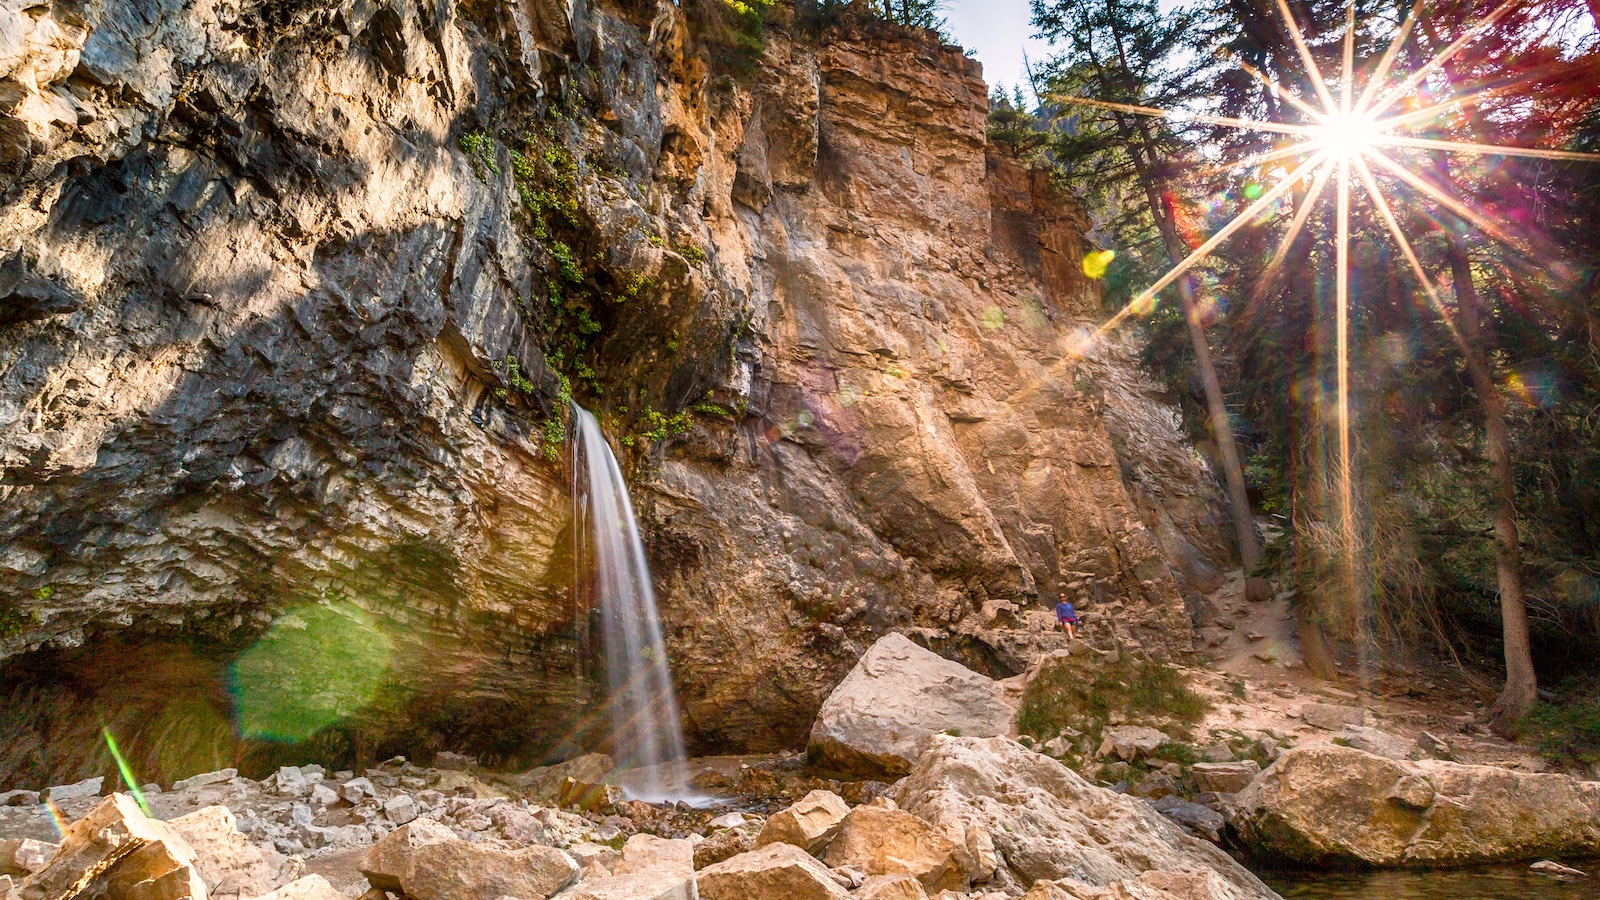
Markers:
(258, 309)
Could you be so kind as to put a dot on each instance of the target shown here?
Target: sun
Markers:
(1345, 135)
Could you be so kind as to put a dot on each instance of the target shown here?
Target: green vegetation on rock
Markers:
(1085, 692)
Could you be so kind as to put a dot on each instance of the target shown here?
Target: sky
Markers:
(999, 31)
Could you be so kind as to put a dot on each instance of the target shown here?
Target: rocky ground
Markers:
(936, 798)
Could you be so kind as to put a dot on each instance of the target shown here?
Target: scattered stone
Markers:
(229, 864)
(808, 824)
(722, 845)
(1376, 741)
(311, 887)
(89, 787)
(1131, 742)
(1330, 805)
(458, 870)
(893, 842)
(385, 864)
(357, 789)
(322, 795)
(1332, 717)
(458, 762)
(197, 781)
(1198, 820)
(25, 856)
(400, 809)
(773, 872)
(589, 797)
(1430, 746)
(1154, 786)
(19, 798)
(1048, 823)
(727, 820)
(544, 783)
(1224, 777)
(1254, 636)
(1556, 870)
(896, 696)
(290, 782)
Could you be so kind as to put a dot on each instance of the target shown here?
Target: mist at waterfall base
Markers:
(646, 736)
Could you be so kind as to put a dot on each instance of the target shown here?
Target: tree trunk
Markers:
(1216, 406)
(1521, 688)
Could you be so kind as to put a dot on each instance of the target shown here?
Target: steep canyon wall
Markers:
(291, 297)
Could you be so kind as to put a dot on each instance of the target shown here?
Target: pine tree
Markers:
(1127, 51)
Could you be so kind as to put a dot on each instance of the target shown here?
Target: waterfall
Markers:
(643, 712)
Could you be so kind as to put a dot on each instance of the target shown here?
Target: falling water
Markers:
(643, 712)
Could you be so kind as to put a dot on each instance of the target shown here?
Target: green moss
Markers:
(1083, 692)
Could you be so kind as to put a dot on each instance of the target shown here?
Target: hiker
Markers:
(1067, 618)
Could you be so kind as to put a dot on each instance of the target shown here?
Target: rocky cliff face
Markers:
(292, 294)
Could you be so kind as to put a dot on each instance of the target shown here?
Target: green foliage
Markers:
(731, 33)
(479, 148)
(659, 427)
(1082, 692)
(553, 433)
(12, 622)
(1011, 125)
(566, 264)
(1567, 731)
(692, 253)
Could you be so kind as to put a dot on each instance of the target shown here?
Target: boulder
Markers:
(400, 809)
(808, 824)
(1131, 742)
(19, 798)
(229, 864)
(894, 842)
(1154, 786)
(1329, 805)
(646, 853)
(723, 845)
(1151, 885)
(544, 783)
(385, 864)
(895, 697)
(1332, 716)
(1224, 777)
(891, 887)
(89, 787)
(206, 778)
(773, 872)
(1376, 741)
(587, 796)
(24, 856)
(458, 870)
(1047, 823)
(311, 887)
(651, 868)
(133, 852)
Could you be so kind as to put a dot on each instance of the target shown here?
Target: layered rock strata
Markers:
(276, 297)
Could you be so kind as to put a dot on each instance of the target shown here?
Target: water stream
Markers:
(643, 713)
(1489, 883)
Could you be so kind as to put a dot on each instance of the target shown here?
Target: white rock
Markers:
(1131, 742)
(195, 781)
(322, 795)
(1046, 822)
(808, 824)
(774, 872)
(896, 696)
(400, 809)
(89, 787)
(311, 887)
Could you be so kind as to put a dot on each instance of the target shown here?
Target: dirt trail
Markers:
(1259, 684)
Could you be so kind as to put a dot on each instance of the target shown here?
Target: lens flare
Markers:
(1343, 140)
(315, 667)
(1096, 262)
(1345, 135)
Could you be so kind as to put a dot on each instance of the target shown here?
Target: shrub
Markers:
(1084, 692)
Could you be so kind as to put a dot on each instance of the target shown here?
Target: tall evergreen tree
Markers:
(1129, 52)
